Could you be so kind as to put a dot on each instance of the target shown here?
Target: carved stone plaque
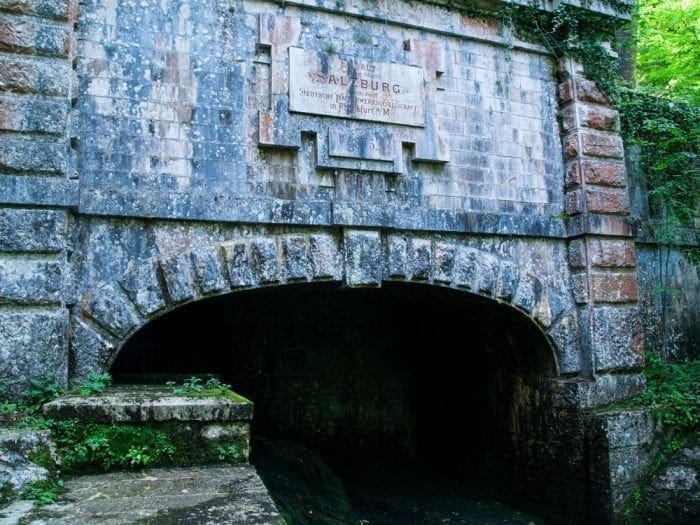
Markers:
(343, 86)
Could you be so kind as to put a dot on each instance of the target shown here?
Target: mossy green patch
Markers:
(102, 446)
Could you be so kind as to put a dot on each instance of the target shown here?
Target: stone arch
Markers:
(110, 313)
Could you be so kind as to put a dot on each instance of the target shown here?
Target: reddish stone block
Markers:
(603, 173)
(598, 117)
(602, 145)
(614, 287)
(587, 91)
(571, 146)
(604, 253)
(573, 175)
(574, 205)
(607, 202)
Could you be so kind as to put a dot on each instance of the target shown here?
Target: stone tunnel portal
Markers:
(406, 375)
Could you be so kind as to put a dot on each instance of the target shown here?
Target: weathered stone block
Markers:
(90, 351)
(325, 257)
(141, 284)
(238, 264)
(209, 269)
(466, 267)
(45, 8)
(420, 259)
(577, 253)
(529, 292)
(596, 117)
(397, 257)
(30, 281)
(566, 338)
(606, 388)
(603, 173)
(31, 230)
(602, 145)
(363, 255)
(443, 262)
(30, 114)
(296, 258)
(110, 309)
(178, 277)
(507, 281)
(607, 201)
(33, 155)
(582, 89)
(611, 253)
(32, 345)
(579, 288)
(31, 75)
(264, 259)
(616, 338)
(613, 287)
(148, 404)
(22, 34)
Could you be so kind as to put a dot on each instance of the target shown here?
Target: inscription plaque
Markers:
(344, 86)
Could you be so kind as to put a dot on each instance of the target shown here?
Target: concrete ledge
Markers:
(146, 403)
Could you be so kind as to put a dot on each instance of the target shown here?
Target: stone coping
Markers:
(148, 404)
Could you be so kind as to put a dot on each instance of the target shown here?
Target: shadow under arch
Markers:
(405, 374)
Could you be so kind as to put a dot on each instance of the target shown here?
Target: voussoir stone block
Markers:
(90, 351)
(110, 309)
(238, 264)
(209, 269)
(363, 256)
(178, 277)
(264, 259)
(141, 284)
(420, 259)
(443, 262)
(397, 257)
(297, 260)
(326, 260)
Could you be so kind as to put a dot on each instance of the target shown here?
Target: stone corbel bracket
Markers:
(340, 143)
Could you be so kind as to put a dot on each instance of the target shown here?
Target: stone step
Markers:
(148, 404)
(223, 494)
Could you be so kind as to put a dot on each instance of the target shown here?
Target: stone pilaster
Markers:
(37, 184)
(601, 247)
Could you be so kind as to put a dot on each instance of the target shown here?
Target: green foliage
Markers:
(228, 453)
(98, 446)
(42, 389)
(94, 383)
(45, 492)
(667, 134)
(673, 391)
(668, 47)
(197, 387)
(94, 447)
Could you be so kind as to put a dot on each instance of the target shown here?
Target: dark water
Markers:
(307, 491)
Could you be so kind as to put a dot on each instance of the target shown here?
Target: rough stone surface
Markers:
(16, 471)
(140, 404)
(186, 495)
(32, 345)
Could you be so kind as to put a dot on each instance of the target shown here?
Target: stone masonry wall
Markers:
(37, 180)
(184, 113)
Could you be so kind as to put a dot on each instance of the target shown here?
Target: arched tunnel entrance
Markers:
(403, 378)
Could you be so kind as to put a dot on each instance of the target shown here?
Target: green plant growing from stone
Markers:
(42, 389)
(362, 38)
(94, 383)
(45, 492)
(228, 453)
(197, 387)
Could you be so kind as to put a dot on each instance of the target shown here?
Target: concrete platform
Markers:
(202, 495)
